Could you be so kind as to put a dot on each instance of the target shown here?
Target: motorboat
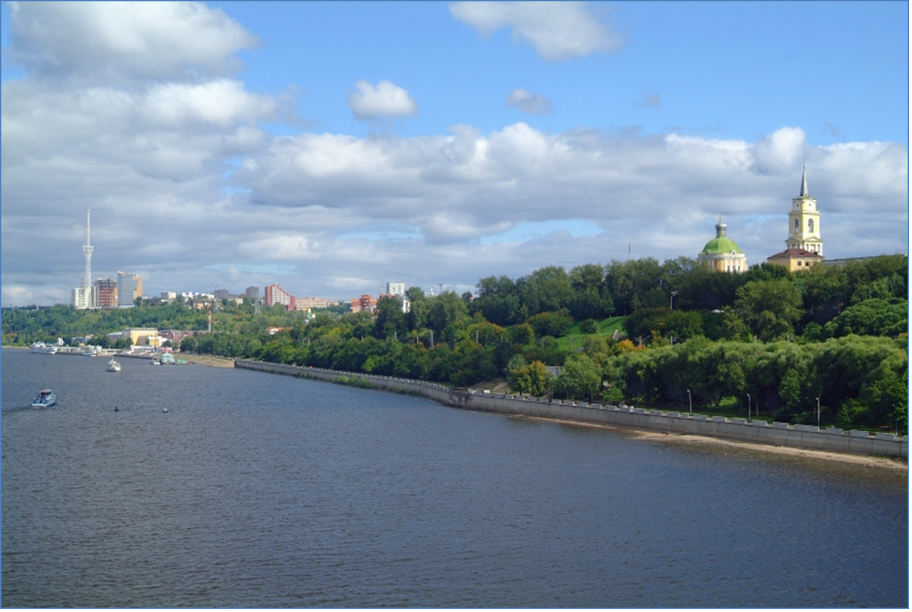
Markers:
(113, 366)
(45, 399)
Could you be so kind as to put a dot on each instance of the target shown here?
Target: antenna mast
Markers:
(87, 301)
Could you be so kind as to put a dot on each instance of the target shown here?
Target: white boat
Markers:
(44, 399)
(113, 366)
(46, 349)
(90, 351)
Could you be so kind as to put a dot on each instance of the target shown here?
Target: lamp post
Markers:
(818, 413)
(673, 294)
(690, 401)
(748, 406)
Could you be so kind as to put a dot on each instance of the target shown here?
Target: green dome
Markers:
(720, 245)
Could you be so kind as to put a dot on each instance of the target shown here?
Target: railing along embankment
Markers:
(806, 437)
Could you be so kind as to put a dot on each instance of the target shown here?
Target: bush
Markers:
(589, 326)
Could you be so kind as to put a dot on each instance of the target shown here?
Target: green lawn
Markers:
(607, 327)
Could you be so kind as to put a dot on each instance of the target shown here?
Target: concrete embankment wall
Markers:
(758, 432)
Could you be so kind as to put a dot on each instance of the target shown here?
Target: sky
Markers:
(333, 147)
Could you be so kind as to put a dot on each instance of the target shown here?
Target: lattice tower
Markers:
(87, 249)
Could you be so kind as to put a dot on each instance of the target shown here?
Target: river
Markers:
(257, 490)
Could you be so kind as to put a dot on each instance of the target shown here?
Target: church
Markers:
(721, 254)
(804, 246)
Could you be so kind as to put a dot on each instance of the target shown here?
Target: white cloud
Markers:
(782, 149)
(557, 30)
(529, 102)
(186, 189)
(117, 40)
(221, 102)
(385, 100)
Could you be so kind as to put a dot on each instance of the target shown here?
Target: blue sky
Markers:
(336, 146)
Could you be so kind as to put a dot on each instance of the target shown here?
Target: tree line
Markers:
(837, 333)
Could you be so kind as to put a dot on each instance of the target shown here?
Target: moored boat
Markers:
(46, 349)
(45, 398)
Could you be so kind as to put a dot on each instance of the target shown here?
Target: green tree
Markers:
(547, 289)
(532, 379)
(522, 334)
(768, 308)
(579, 378)
(551, 324)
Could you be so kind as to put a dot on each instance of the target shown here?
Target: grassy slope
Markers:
(607, 327)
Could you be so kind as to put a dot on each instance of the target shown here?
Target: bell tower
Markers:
(804, 221)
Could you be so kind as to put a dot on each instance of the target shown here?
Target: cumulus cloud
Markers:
(120, 40)
(383, 101)
(557, 30)
(529, 102)
(189, 192)
(782, 149)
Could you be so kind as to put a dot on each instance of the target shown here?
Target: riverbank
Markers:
(208, 360)
(675, 424)
(888, 464)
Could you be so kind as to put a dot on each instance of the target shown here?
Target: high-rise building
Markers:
(276, 295)
(253, 292)
(804, 245)
(395, 288)
(129, 287)
(105, 293)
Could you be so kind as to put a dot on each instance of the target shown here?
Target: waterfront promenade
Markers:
(806, 437)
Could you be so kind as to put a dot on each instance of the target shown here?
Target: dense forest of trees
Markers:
(834, 334)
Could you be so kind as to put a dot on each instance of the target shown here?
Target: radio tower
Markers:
(87, 281)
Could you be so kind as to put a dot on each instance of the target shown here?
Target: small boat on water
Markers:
(41, 347)
(45, 399)
(113, 366)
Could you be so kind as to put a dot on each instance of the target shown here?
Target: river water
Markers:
(257, 490)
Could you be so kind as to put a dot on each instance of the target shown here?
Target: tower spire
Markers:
(87, 301)
(804, 182)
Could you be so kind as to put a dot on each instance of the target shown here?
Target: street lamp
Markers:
(818, 413)
(690, 401)
(673, 294)
(748, 406)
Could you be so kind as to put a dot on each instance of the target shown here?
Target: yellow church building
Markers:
(804, 245)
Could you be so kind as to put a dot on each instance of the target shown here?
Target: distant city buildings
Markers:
(312, 302)
(105, 290)
(365, 303)
(395, 288)
(276, 295)
(252, 292)
(129, 287)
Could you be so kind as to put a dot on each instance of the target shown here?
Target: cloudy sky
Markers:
(334, 147)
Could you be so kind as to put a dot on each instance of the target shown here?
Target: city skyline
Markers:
(332, 147)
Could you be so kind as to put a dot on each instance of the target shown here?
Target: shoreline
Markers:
(881, 463)
(871, 461)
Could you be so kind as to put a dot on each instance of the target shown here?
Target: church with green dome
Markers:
(721, 254)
